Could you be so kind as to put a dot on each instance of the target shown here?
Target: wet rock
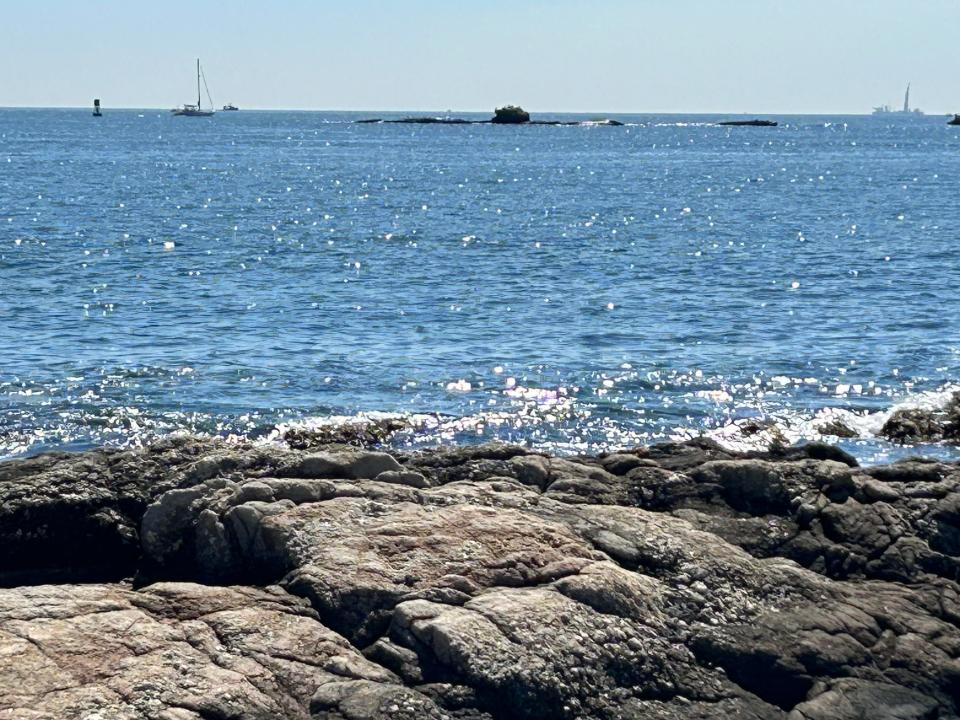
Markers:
(607, 122)
(369, 433)
(912, 426)
(837, 428)
(429, 120)
(925, 425)
(951, 422)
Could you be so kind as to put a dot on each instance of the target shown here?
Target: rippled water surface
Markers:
(575, 288)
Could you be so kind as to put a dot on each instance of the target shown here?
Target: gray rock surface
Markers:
(483, 582)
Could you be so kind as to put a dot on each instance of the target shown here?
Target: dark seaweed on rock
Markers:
(680, 580)
(359, 433)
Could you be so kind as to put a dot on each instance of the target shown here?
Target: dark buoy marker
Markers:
(96, 108)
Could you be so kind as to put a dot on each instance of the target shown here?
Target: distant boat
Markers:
(96, 108)
(230, 107)
(887, 110)
(196, 110)
(955, 121)
(751, 123)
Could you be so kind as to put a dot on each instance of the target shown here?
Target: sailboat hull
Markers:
(193, 113)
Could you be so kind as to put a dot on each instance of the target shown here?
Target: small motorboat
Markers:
(955, 121)
(230, 107)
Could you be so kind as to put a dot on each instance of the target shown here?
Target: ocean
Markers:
(575, 289)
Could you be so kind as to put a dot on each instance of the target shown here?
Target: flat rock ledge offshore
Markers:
(197, 579)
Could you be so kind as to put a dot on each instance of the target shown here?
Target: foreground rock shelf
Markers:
(196, 579)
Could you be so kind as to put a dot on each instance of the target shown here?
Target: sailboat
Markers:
(907, 110)
(196, 110)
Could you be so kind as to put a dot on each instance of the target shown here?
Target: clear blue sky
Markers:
(755, 56)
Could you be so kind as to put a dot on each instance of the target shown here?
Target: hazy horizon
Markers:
(455, 111)
(640, 57)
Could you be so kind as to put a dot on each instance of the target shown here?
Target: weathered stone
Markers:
(621, 463)
(403, 477)
(346, 464)
(488, 583)
(173, 651)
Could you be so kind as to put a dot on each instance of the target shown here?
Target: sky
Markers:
(644, 56)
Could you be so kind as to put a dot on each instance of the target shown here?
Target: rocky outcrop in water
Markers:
(510, 115)
(749, 123)
(924, 424)
(487, 582)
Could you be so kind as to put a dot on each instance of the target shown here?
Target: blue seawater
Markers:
(572, 288)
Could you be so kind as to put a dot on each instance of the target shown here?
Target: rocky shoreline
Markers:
(198, 579)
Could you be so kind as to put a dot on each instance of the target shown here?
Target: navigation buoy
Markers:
(96, 108)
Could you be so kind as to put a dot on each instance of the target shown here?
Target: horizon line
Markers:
(450, 112)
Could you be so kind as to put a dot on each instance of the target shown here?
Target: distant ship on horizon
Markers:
(887, 110)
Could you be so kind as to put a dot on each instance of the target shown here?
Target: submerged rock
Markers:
(750, 123)
(837, 428)
(912, 426)
(431, 121)
(487, 583)
(609, 122)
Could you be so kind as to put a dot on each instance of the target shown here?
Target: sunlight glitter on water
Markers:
(299, 275)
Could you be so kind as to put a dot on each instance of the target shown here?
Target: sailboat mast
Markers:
(906, 100)
(198, 83)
